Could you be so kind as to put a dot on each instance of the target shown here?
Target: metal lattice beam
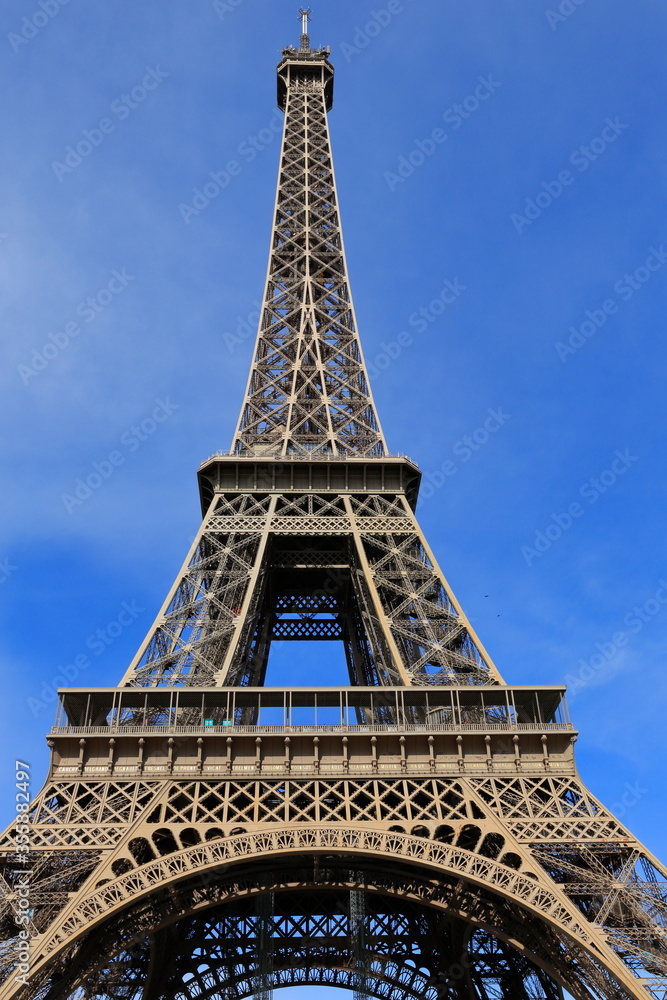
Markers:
(308, 392)
(437, 843)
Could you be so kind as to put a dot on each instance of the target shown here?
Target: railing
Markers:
(234, 730)
(310, 457)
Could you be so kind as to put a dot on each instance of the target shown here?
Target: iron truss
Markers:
(440, 845)
(278, 565)
(523, 858)
(312, 937)
(308, 391)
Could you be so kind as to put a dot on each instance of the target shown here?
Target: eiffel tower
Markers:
(423, 831)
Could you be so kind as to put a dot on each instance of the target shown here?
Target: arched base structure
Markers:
(462, 925)
(413, 953)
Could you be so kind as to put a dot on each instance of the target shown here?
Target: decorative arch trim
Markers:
(439, 858)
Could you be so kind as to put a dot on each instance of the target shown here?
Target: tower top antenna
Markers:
(304, 14)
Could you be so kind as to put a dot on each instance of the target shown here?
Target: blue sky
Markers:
(540, 199)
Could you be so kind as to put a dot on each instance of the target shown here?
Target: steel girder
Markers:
(270, 565)
(308, 391)
(472, 872)
(534, 861)
(409, 951)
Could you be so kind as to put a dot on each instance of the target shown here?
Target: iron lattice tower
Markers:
(421, 833)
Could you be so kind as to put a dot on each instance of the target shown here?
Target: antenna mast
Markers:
(304, 14)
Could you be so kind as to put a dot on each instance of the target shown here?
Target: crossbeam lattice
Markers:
(308, 391)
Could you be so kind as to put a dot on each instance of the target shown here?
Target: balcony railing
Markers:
(304, 457)
(234, 730)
